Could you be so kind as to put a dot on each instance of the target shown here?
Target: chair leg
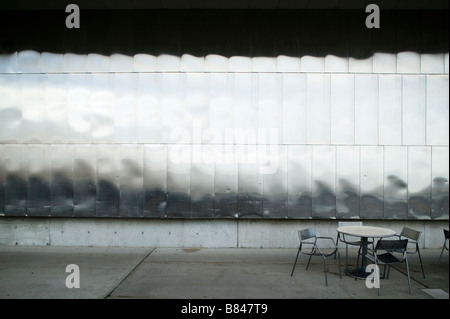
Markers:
(325, 270)
(298, 251)
(309, 260)
(407, 271)
(339, 262)
(439, 261)
(420, 259)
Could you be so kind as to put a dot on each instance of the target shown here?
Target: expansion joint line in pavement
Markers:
(129, 273)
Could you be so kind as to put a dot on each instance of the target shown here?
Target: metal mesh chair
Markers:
(413, 238)
(308, 238)
(393, 252)
(443, 247)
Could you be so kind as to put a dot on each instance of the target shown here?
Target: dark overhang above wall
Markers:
(223, 4)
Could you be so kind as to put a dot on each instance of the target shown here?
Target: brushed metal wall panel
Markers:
(33, 108)
(61, 179)
(299, 181)
(149, 111)
(366, 109)
(56, 112)
(437, 125)
(275, 183)
(318, 109)
(220, 129)
(419, 188)
(293, 127)
(2, 180)
(155, 180)
(202, 181)
(38, 183)
(371, 182)
(196, 106)
(8, 63)
(84, 182)
(10, 108)
(172, 108)
(16, 175)
(413, 109)
(131, 180)
(324, 182)
(440, 178)
(245, 112)
(102, 107)
(125, 88)
(347, 181)
(395, 182)
(178, 181)
(269, 108)
(342, 109)
(78, 108)
(390, 109)
(108, 187)
(29, 61)
(226, 181)
(250, 182)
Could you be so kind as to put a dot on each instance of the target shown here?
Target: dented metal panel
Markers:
(178, 181)
(2, 180)
(225, 181)
(299, 179)
(250, 181)
(10, 108)
(148, 108)
(84, 173)
(347, 181)
(395, 182)
(324, 184)
(155, 180)
(440, 178)
(56, 116)
(33, 108)
(38, 183)
(107, 188)
(131, 180)
(125, 87)
(101, 101)
(78, 108)
(16, 174)
(61, 179)
(371, 182)
(275, 181)
(293, 125)
(419, 193)
(202, 181)
(318, 109)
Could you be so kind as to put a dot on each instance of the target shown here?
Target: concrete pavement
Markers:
(201, 273)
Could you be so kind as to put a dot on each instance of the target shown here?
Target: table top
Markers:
(366, 231)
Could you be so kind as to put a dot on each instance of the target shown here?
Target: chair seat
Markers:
(387, 259)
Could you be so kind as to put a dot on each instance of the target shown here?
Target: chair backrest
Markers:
(307, 233)
(399, 245)
(410, 233)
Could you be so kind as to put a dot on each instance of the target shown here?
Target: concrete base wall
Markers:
(241, 233)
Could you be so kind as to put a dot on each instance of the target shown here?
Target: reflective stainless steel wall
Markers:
(214, 136)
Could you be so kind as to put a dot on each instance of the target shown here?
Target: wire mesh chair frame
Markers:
(443, 247)
(310, 234)
(413, 237)
(391, 249)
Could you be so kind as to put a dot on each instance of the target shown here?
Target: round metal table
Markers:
(365, 232)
